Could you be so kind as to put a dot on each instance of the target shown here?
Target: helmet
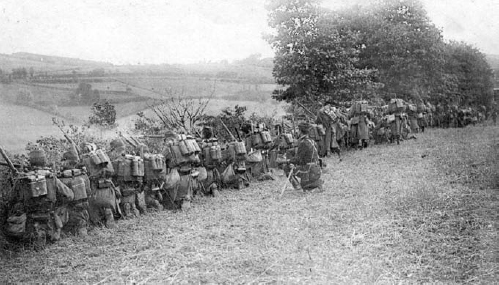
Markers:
(37, 158)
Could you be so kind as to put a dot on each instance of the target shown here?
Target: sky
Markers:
(190, 31)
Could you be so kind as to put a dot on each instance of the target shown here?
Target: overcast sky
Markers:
(187, 31)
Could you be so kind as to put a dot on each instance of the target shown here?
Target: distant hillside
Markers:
(45, 63)
(252, 69)
(60, 60)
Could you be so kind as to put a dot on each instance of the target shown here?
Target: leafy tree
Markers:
(314, 59)
(233, 118)
(473, 77)
(84, 94)
(147, 125)
(103, 114)
(19, 73)
(398, 39)
(24, 97)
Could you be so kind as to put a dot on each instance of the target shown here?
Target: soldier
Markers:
(41, 198)
(103, 202)
(396, 110)
(329, 117)
(181, 160)
(306, 161)
(422, 121)
(258, 141)
(76, 178)
(211, 157)
(154, 176)
(129, 183)
(359, 131)
(494, 116)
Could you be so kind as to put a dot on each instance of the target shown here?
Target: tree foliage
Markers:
(471, 73)
(387, 49)
(103, 114)
(84, 94)
(233, 118)
(314, 59)
(399, 40)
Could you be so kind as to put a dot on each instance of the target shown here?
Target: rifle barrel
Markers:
(8, 161)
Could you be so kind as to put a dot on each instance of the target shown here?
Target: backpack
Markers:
(75, 183)
(288, 138)
(240, 148)
(95, 170)
(313, 133)
(154, 166)
(256, 140)
(266, 137)
(129, 168)
(396, 106)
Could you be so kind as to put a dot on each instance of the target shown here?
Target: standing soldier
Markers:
(326, 118)
(359, 131)
(396, 110)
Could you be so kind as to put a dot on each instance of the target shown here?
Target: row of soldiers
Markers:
(399, 120)
(96, 187)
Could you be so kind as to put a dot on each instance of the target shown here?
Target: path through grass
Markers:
(423, 211)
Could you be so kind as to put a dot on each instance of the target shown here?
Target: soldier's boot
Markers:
(240, 184)
(127, 210)
(157, 205)
(185, 204)
(57, 234)
(40, 240)
(109, 217)
(58, 226)
(82, 232)
(140, 204)
(214, 190)
(135, 211)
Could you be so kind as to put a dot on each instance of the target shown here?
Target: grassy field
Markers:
(424, 211)
(20, 124)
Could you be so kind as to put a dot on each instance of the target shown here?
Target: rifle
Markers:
(238, 135)
(73, 144)
(8, 161)
(128, 140)
(14, 164)
(227, 129)
(307, 110)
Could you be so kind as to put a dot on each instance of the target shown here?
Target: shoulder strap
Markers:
(315, 153)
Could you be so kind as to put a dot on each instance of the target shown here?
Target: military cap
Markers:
(69, 155)
(37, 158)
(117, 143)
